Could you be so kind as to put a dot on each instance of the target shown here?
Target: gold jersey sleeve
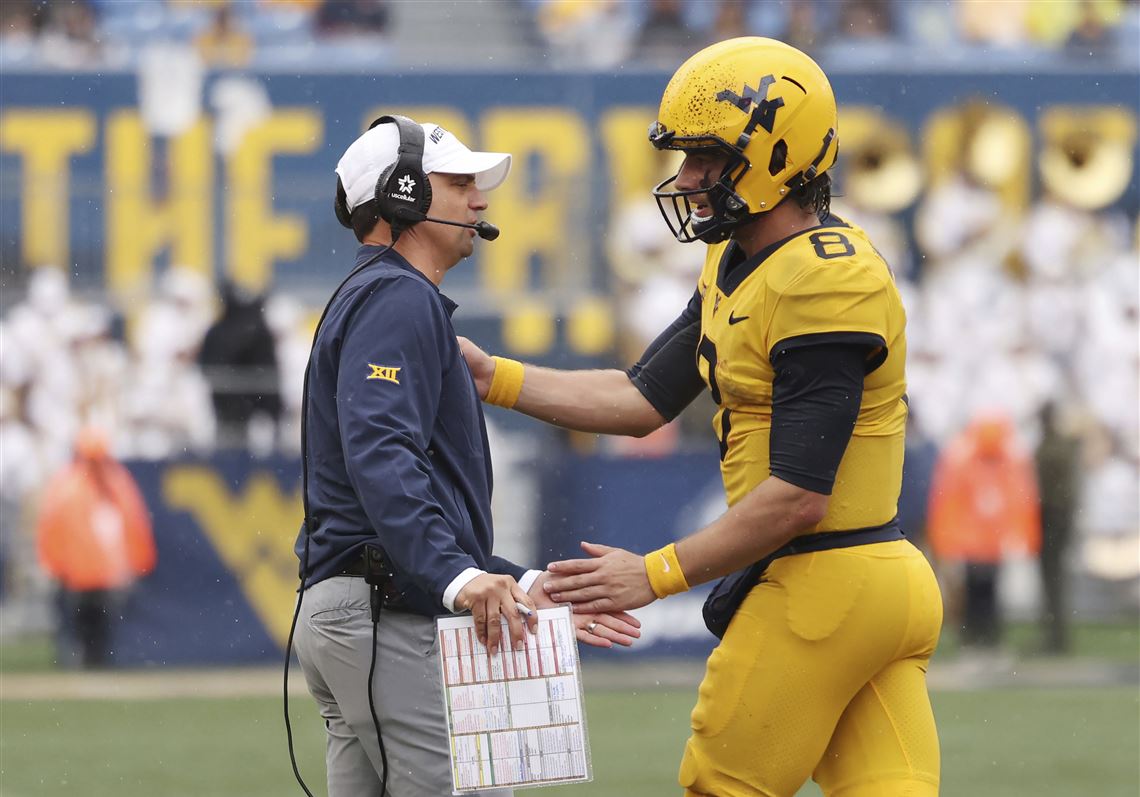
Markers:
(828, 281)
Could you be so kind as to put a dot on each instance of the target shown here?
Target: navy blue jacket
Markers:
(397, 444)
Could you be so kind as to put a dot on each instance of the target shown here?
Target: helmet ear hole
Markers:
(779, 160)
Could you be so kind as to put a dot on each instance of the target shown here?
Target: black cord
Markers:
(308, 535)
(377, 604)
(289, 648)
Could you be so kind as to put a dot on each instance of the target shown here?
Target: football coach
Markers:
(397, 470)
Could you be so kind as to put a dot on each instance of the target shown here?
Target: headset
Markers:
(403, 191)
(403, 197)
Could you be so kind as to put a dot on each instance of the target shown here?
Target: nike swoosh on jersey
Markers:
(734, 320)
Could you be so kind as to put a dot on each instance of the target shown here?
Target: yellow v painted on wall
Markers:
(252, 531)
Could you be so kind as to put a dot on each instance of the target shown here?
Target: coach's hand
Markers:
(600, 629)
(490, 597)
(612, 581)
(481, 365)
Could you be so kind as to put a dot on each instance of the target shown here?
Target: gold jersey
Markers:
(824, 281)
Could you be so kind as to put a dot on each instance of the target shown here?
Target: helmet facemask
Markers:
(728, 208)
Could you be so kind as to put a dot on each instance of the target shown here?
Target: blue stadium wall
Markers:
(225, 583)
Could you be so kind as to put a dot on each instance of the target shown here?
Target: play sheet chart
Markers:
(515, 718)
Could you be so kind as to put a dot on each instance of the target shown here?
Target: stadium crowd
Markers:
(573, 34)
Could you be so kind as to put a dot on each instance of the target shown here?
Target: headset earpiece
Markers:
(403, 191)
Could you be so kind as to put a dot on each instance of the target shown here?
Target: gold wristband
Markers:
(665, 576)
(506, 384)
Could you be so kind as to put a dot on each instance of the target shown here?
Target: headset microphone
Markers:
(484, 229)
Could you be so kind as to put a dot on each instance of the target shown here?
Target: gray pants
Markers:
(334, 646)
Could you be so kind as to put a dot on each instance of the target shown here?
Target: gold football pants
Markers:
(822, 673)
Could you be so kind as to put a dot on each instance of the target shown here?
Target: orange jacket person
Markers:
(983, 505)
(94, 536)
(983, 497)
(94, 530)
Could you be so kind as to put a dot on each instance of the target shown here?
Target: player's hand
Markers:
(606, 629)
(602, 630)
(614, 580)
(490, 597)
(481, 365)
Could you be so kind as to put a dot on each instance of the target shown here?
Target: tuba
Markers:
(1086, 156)
(880, 170)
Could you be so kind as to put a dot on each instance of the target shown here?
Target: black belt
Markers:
(731, 590)
(827, 540)
(354, 568)
(393, 599)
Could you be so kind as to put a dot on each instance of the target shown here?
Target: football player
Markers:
(828, 615)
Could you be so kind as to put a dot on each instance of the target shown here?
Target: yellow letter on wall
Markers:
(542, 221)
(256, 237)
(46, 140)
(141, 224)
(635, 166)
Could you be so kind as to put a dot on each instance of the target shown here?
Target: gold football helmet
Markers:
(766, 105)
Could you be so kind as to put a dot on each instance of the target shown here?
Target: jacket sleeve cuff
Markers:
(528, 579)
(456, 585)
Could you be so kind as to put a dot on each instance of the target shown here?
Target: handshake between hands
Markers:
(600, 590)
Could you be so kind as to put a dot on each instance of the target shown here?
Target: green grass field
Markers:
(1036, 743)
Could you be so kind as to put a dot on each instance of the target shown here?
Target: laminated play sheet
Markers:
(516, 718)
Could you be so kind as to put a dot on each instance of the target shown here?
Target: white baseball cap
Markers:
(367, 158)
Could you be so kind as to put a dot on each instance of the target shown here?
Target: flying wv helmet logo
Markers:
(763, 109)
(385, 372)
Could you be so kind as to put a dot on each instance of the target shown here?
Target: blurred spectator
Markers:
(22, 474)
(731, 20)
(983, 508)
(1107, 369)
(293, 336)
(866, 19)
(340, 17)
(239, 360)
(39, 364)
(665, 38)
(71, 37)
(800, 23)
(999, 24)
(1058, 459)
(1092, 34)
(167, 402)
(99, 368)
(224, 43)
(1108, 519)
(595, 35)
(21, 21)
(94, 537)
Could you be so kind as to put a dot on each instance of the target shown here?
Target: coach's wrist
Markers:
(664, 571)
(506, 383)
